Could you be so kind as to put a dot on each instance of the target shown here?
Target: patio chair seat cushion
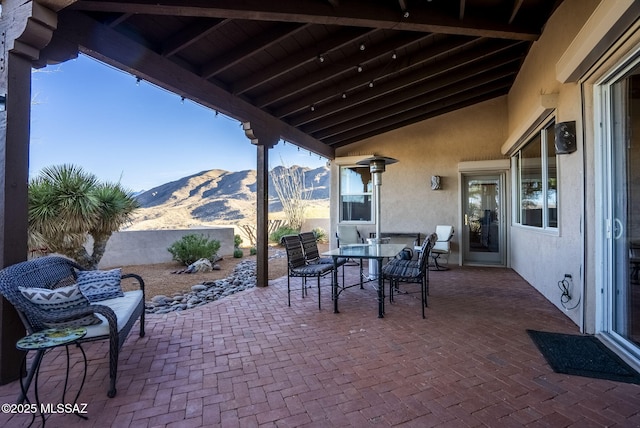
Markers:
(123, 307)
(401, 271)
(329, 260)
(406, 263)
(312, 270)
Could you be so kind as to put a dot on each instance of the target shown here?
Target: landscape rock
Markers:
(242, 278)
(201, 265)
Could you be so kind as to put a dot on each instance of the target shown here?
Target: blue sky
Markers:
(89, 114)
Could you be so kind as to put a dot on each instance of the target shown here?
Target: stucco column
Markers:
(263, 140)
(26, 28)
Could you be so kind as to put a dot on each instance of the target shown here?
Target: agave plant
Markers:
(67, 204)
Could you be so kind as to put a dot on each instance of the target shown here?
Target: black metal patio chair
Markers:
(410, 271)
(298, 266)
(312, 254)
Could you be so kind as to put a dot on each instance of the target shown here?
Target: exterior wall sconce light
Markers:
(436, 182)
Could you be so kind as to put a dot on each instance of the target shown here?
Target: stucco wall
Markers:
(432, 147)
(538, 73)
(436, 146)
(543, 258)
(312, 223)
(150, 246)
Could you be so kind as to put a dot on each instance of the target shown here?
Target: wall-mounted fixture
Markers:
(436, 182)
(565, 133)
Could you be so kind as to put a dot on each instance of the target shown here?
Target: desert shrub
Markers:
(283, 231)
(321, 235)
(237, 241)
(237, 253)
(194, 247)
(253, 251)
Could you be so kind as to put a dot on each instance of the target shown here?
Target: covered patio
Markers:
(250, 360)
(451, 92)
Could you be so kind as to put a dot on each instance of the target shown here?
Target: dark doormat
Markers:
(582, 356)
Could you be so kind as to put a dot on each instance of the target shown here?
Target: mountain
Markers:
(218, 197)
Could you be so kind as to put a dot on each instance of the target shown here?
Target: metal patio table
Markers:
(377, 252)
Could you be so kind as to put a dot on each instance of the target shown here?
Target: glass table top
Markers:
(366, 251)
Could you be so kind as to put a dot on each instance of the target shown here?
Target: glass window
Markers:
(552, 178)
(356, 202)
(538, 180)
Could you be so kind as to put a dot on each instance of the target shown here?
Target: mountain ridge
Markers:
(218, 197)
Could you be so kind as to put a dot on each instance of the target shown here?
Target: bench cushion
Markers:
(123, 307)
(98, 285)
(60, 300)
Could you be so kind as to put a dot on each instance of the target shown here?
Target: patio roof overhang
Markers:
(321, 74)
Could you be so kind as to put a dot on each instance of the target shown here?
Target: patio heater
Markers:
(377, 165)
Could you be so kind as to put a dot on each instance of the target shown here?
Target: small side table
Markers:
(42, 342)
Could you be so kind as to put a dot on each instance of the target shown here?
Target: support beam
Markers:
(25, 28)
(355, 13)
(263, 139)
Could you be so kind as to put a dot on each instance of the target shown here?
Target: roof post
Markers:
(263, 139)
(25, 28)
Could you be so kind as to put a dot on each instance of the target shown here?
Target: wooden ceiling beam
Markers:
(411, 118)
(358, 13)
(407, 116)
(119, 20)
(56, 5)
(243, 51)
(416, 97)
(332, 71)
(305, 55)
(193, 32)
(481, 72)
(517, 4)
(439, 52)
(113, 48)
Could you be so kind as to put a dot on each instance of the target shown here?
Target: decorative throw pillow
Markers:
(97, 285)
(60, 300)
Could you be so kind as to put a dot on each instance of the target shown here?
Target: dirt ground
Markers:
(159, 279)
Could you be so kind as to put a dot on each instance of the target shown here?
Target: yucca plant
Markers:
(67, 204)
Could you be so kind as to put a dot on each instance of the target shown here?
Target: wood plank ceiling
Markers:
(324, 73)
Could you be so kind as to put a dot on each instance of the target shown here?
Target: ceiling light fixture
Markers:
(313, 108)
(371, 84)
(320, 59)
(359, 68)
(394, 55)
(362, 46)
(405, 14)
(344, 95)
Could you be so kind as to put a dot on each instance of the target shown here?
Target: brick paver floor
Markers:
(250, 360)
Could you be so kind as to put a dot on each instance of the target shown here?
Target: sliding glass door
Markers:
(621, 104)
